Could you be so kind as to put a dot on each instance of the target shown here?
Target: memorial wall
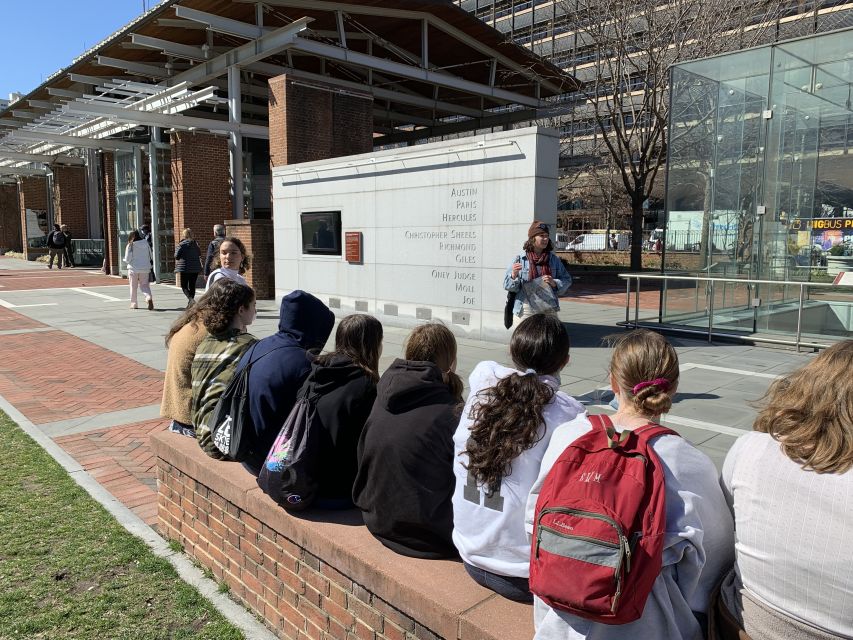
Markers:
(415, 233)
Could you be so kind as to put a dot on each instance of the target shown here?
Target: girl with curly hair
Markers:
(227, 309)
(505, 428)
(405, 455)
(698, 538)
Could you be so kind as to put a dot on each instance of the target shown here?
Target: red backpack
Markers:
(599, 525)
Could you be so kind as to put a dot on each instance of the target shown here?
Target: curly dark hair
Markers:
(507, 417)
(222, 303)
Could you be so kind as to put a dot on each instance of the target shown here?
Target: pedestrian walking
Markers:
(188, 264)
(137, 256)
(69, 250)
(145, 234)
(213, 249)
(56, 246)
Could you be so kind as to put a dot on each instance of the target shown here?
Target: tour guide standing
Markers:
(537, 276)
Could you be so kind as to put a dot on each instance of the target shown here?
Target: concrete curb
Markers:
(233, 612)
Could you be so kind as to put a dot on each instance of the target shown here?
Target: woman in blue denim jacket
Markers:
(536, 261)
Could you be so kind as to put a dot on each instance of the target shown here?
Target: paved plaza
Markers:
(86, 370)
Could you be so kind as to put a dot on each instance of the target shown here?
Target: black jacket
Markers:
(187, 257)
(405, 475)
(280, 365)
(212, 248)
(346, 398)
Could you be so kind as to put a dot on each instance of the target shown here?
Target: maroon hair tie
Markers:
(663, 383)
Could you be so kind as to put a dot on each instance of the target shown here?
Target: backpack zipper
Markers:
(623, 545)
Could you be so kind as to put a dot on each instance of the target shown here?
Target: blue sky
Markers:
(39, 37)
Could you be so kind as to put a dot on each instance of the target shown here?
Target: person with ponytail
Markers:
(506, 426)
(698, 543)
(405, 456)
(537, 264)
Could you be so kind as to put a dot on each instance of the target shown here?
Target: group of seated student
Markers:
(757, 553)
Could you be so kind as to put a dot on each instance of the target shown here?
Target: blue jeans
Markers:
(516, 589)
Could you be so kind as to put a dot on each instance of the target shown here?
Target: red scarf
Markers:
(539, 266)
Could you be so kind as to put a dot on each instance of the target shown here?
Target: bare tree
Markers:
(633, 43)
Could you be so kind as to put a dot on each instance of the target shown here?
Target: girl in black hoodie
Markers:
(345, 381)
(405, 456)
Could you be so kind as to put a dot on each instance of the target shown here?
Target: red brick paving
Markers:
(120, 459)
(10, 320)
(56, 376)
(45, 278)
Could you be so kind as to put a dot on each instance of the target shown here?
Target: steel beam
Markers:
(169, 48)
(235, 142)
(64, 93)
(167, 121)
(413, 73)
(267, 45)
(20, 171)
(36, 157)
(222, 25)
(70, 141)
(179, 24)
(133, 67)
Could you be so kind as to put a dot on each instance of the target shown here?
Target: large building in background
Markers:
(549, 29)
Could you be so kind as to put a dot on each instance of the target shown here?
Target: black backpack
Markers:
(231, 417)
(290, 471)
(58, 239)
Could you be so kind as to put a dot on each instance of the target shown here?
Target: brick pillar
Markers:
(32, 194)
(11, 237)
(108, 171)
(69, 199)
(200, 183)
(257, 235)
(312, 121)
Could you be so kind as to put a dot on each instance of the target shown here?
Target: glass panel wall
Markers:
(128, 198)
(760, 179)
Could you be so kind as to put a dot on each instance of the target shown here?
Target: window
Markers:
(321, 233)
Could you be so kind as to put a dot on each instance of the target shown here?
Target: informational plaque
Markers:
(353, 246)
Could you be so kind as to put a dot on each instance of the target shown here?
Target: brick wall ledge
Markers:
(319, 574)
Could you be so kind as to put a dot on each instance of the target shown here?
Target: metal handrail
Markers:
(628, 277)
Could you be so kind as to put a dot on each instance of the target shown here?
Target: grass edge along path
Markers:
(69, 570)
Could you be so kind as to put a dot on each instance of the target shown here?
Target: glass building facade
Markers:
(759, 191)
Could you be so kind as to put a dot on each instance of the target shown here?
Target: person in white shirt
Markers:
(699, 539)
(231, 262)
(505, 428)
(137, 256)
(790, 485)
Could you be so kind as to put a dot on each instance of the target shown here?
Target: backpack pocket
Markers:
(582, 557)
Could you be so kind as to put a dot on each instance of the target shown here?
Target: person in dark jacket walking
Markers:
(405, 478)
(213, 249)
(280, 364)
(345, 383)
(188, 264)
(56, 247)
(69, 251)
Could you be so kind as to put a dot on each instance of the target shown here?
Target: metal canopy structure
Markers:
(427, 63)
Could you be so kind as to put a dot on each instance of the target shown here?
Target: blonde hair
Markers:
(187, 234)
(434, 342)
(645, 358)
(810, 412)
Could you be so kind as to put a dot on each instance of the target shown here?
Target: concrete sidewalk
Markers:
(87, 371)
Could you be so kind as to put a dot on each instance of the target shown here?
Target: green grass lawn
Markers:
(69, 570)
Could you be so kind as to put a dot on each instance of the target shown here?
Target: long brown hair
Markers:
(434, 342)
(810, 412)
(192, 315)
(528, 246)
(643, 356)
(359, 337)
(507, 417)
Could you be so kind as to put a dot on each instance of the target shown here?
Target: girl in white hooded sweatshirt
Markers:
(699, 537)
(137, 256)
(505, 428)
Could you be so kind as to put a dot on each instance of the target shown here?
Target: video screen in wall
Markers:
(321, 233)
